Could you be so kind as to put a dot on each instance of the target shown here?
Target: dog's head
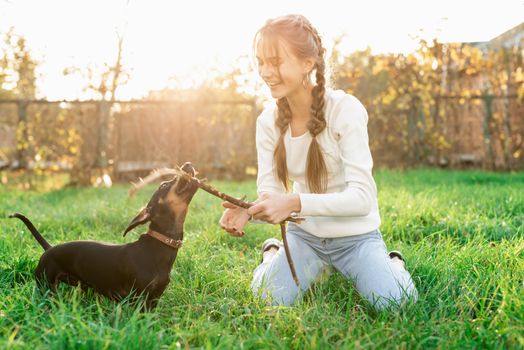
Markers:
(167, 208)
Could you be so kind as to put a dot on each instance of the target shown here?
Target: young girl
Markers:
(317, 138)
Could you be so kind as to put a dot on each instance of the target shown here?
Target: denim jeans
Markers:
(361, 258)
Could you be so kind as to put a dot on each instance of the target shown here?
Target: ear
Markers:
(141, 218)
(182, 189)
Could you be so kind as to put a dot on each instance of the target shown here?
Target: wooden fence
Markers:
(132, 137)
(128, 137)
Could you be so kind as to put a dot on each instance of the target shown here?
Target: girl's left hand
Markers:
(275, 207)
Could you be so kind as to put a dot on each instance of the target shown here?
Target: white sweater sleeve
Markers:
(266, 140)
(350, 127)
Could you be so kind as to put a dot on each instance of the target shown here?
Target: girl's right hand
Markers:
(234, 219)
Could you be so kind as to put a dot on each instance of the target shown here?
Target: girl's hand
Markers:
(275, 207)
(234, 219)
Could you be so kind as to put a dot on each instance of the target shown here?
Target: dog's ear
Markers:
(181, 188)
(142, 217)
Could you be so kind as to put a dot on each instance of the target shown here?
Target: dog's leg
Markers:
(45, 279)
(150, 304)
(48, 275)
(68, 279)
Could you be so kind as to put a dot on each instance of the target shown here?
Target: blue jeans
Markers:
(361, 258)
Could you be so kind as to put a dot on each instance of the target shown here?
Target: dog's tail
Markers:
(33, 230)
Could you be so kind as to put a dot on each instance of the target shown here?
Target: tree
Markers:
(18, 81)
(103, 83)
(17, 68)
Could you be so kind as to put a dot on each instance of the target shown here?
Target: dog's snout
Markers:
(188, 168)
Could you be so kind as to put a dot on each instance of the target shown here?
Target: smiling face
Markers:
(280, 68)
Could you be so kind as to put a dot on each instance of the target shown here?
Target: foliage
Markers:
(17, 68)
(17, 81)
(418, 102)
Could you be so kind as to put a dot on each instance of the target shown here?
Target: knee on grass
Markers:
(274, 296)
(393, 300)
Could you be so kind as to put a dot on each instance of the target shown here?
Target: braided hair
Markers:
(305, 41)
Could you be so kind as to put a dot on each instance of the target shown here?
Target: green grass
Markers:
(461, 234)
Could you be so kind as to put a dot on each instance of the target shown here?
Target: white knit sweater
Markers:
(349, 206)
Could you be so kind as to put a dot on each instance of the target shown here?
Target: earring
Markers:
(305, 81)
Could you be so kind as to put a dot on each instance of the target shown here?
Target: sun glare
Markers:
(173, 43)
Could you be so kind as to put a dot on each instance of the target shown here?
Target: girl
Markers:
(317, 138)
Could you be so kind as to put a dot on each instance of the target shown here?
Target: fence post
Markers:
(412, 115)
(104, 135)
(436, 122)
(22, 137)
(488, 115)
(506, 118)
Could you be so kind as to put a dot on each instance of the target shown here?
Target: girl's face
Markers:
(281, 70)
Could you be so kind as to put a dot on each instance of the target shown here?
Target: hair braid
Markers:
(282, 123)
(316, 169)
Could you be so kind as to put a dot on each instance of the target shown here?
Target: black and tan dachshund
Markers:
(142, 267)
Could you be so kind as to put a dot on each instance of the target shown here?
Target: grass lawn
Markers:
(462, 234)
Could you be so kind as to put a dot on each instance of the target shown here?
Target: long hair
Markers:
(305, 42)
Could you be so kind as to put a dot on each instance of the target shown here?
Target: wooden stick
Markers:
(153, 176)
(246, 205)
(158, 173)
(238, 202)
(288, 253)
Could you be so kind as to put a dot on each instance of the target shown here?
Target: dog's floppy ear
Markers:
(141, 218)
(182, 188)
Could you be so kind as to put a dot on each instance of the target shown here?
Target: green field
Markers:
(462, 234)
